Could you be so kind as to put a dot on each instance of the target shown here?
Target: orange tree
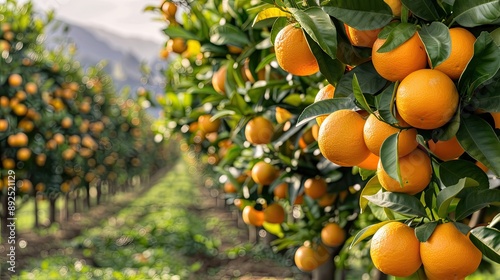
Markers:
(413, 114)
(62, 128)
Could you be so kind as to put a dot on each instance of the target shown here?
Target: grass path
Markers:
(168, 233)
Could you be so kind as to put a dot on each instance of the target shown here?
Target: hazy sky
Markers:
(125, 17)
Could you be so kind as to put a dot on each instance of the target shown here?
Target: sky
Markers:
(124, 17)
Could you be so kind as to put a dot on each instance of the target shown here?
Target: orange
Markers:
(370, 163)
(293, 53)
(169, 9)
(229, 187)
(375, 132)
(446, 150)
(427, 99)
(259, 130)
(15, 80)
(315, 131)
(4, 125)
(306, 139)
(327, 199)
(25, 125)
(395, 250)
(496, 119)
(8, 163)
(361, 38)
(252, 216)
(299, 199)
(66, 122)
(462, 50)
(308, 257)
(415, 169)
(449, 254)
(282, 115)
(395, 6)
(281, 190)
(340, 138)
(325, 93)
(23, 154)
(207, 125)
(274, 214)
(398, 63)
(332, 235)
(264, 173)
(315, 187)
(17, 140)
(176, 45)
(482, 166)
(219, 80)
(31, 88)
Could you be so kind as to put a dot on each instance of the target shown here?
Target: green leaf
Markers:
(450, 173)
(398, 35)
(389, 157)
(480, 141)
(360, 14)
(356, 89)
(475, 201)
(446, 195)
(265, 61)
(239, 104)
(483, 65)
(437, 42)
(372, 187)
(274, 229)
(269, 13)
(487, 97)
(424, 232)
(369, 80)
(487, 240)
(494, 221)
(331, 68)
(478, 12)
(385, 99)
(399, 202)
(367, 232)
(179, 32)
(424, 9)
(317, 24)
(279, 24)
(463, 228)
(228, 34)
(324, 107)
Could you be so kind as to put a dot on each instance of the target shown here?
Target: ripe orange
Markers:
(415, 169)
(206, 125)
(176, 45)
(496, 118)
(264, 173)
(395, 250)
(410, 56)
(340, 138)
(282, 115)
(169, 9)
(332, 235)
(326, 92)
(17, 140)
(252, 216)
(8, 163)
(446, 150)
(25, 125)
(293, 53)
(315, 131)
(449, 254)
(427, 99)
(462, 50)
(307, 257)
(370, 163)
(395, 6)
(66, 122)
(327, 199)
(315, 187)
(31, 88)
(219, 80)
(4, 125)
(361, 38)
(274, 214)
(23, 154)
(259, 130)
(230, 187)
(482, 166)
(375, 132)
(15, 80)
(281, 190)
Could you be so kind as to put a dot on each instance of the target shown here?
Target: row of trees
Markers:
(250, 85)
(63, 128)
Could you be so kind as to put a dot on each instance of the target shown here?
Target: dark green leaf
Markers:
(463, 228)
(265, 61)
(483, 65)
(399, 202)
(450, 173)
(317, 24)
(228, 34)
(475, 201)
(369, 80)
(398, 35)
(372, 187)
(331, 68)
(389, 157)
(487, 98)
(385, 99)
(495, 221)
(487, 240)
(367, 232)
(424, 9)
(179, 32)
(480, 141)
(423, 232)
(449, 130)
(360, 14)
(277, 26)
(445, 197)
(359, 95)
(387, 30)
(324, 107)
(478, 12)
(437, 42)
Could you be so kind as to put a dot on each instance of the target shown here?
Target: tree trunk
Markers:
(99, 192)
(52, 209)
(35, 213)
(75, 200)
(87, 197)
